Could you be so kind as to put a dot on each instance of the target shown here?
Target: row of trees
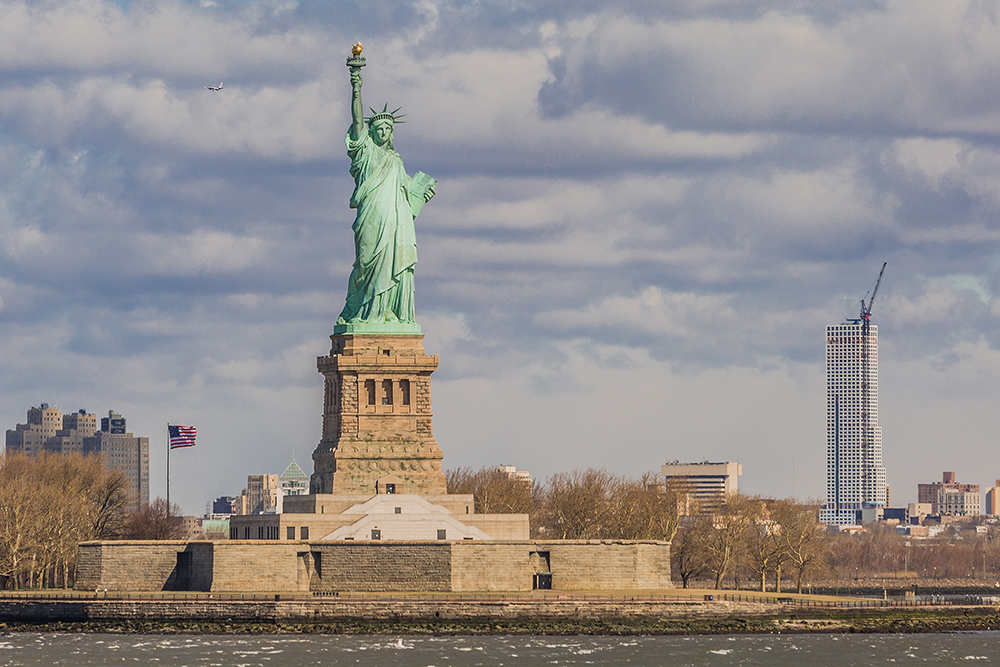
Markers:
(50, 503)
(959, 552)
(751, 536)
(744, 541)
(582, 504)
(743, 534)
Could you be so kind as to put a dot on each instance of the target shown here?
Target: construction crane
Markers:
(866, 349)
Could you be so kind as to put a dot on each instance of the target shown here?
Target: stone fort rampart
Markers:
(445, 566)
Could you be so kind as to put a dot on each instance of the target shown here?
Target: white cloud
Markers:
(929, 159)
(651, 311)
(201, 251)
(903, 63)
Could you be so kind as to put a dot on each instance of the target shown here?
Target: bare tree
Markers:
(726, 538)
(764, 549)
(48, 504)
(495, 491)
(155, 521)
(688, 548)
(577, 504)
(802, 536)
(17, 517)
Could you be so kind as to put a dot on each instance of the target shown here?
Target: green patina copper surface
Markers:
(380, 290)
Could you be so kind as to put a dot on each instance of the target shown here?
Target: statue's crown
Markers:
(385, 114)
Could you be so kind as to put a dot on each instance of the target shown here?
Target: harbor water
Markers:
(79, 650)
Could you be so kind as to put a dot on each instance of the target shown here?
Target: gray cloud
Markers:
(647, 213)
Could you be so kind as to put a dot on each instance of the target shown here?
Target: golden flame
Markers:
(356, 50)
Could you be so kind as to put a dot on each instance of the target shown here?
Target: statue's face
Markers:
(381, 132)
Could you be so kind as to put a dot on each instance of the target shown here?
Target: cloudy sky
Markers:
(647, 213)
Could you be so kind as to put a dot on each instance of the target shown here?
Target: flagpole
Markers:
(168, 467)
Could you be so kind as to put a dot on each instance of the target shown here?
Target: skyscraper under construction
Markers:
(855, 478)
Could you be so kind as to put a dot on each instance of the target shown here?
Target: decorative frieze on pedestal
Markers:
(377, 435)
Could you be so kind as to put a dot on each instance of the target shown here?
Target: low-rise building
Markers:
(945, 494)
(993, 500)
(514, 473)
(917, 512)
(706, 483)
(956, 502)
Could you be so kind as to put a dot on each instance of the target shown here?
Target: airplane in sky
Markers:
(216, 88)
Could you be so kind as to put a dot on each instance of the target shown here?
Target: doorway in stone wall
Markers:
(182, 572)
(541, 564)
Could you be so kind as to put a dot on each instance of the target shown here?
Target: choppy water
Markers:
(80, 650)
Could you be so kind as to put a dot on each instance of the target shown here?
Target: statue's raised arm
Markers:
(380, 289)
(357, 108)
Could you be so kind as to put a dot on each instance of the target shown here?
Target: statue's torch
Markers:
(355, 60)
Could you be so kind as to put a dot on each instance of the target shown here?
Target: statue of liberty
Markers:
(380, 289)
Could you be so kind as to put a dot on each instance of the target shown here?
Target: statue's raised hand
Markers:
(356, 80)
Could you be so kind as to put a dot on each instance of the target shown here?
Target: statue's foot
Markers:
(391, 319)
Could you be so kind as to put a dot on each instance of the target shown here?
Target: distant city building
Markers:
(993, 500)
(959, 503)
(855, 478)
(113, 423)
(706, 483)
(514, 473)
(215, 528)
(917, 512)
(239, 505)
(950, 497)
(191, 525)
(48, 429)
(123, 451)
(898, 514)
(292, 482)
(261, 494)
(223, 505)
(69, 439)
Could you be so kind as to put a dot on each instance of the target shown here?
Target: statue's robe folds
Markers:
(385, 244)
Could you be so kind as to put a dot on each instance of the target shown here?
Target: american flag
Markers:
(181, 436)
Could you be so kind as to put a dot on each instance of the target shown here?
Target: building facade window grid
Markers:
(855, 474)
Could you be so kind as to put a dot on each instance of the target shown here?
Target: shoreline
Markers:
(444, 615)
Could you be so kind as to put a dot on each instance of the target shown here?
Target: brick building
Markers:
(949, 496)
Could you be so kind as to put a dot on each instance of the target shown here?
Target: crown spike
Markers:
(385, 114)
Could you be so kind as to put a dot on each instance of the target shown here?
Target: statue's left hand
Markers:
(429, 194)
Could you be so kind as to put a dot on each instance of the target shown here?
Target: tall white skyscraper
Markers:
(855, 478)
